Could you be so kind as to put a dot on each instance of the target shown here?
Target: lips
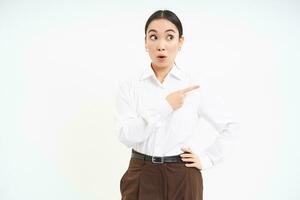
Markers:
(161, 56)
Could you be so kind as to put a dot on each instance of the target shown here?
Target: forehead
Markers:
(161, 25)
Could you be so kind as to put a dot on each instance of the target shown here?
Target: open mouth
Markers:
(161, 56)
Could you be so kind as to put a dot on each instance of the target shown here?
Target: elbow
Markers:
(122, 137)
(231, 130)
(128, 137)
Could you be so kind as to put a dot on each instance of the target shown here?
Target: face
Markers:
(162, 41)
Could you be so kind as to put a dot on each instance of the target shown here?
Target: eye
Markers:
(152, 37)
(170, 37)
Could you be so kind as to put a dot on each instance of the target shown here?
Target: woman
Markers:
(157, 115)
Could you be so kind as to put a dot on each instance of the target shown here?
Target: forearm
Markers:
(136, 127)
(222, 146)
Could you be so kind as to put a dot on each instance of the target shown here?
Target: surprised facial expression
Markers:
(163, 42)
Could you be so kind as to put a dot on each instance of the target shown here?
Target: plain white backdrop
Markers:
(60, 62)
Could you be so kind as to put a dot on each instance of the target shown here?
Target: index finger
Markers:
(188, 89)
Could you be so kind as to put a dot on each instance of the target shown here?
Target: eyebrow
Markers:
(156, 30)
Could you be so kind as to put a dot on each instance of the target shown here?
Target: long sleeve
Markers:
(212, 108)
(136, 125)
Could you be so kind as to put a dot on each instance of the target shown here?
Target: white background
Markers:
(59, 66)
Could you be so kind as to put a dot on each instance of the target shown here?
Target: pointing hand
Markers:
(175, 99)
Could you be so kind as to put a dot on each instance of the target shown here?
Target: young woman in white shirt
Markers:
(157, 116)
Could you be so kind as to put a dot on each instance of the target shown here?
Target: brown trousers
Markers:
(144, 180)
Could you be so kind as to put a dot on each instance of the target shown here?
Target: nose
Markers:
(161, 46)
(160, 49)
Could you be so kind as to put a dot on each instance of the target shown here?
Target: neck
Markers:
(161, 72)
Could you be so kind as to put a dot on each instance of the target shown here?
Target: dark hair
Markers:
(168, 15)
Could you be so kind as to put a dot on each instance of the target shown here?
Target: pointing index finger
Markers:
(188, 89)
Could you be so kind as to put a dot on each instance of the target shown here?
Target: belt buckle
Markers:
(161, 159)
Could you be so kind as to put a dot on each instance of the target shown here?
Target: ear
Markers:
(145, 41)
(181, 40)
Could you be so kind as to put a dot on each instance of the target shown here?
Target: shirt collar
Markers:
(175, 71)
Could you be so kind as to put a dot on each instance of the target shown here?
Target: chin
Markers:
(162, 65)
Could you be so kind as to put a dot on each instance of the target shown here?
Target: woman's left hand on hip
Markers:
(189, 156)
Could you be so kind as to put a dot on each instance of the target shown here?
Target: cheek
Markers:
(173, 47)
(151, 48)
(172, 51)
(151, 52)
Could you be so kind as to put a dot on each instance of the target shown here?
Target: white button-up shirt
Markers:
(146, 122)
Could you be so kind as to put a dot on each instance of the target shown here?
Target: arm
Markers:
(213, 110)
(136, 126)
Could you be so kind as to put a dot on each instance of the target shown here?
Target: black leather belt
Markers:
(156, 159)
